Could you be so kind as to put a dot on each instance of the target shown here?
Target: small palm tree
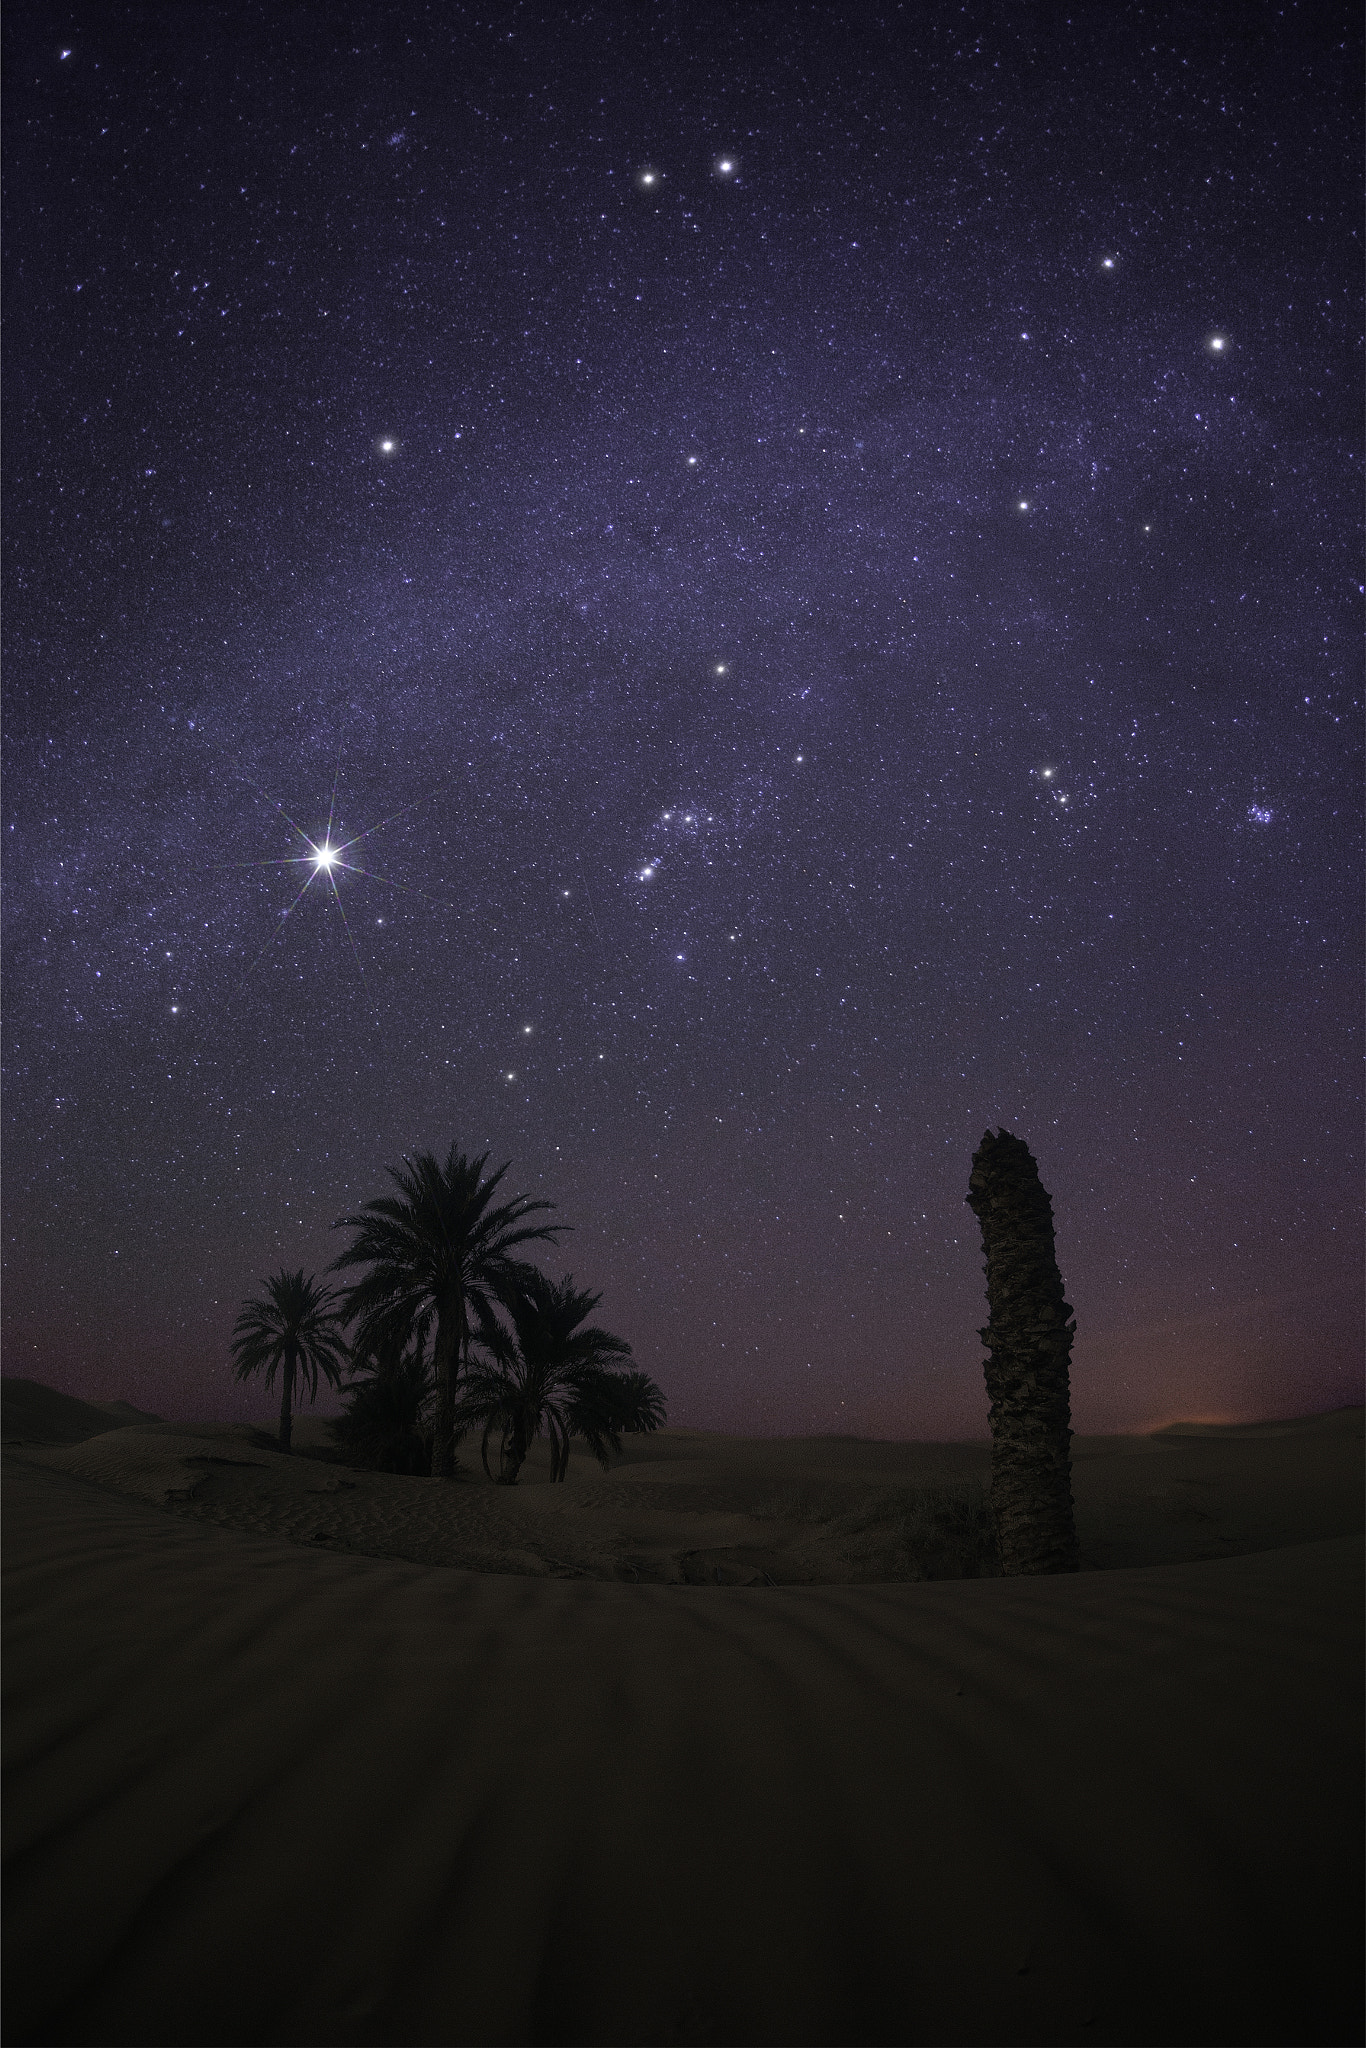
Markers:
(633, 1401)
(551, 1371)
(385, 1425)
(439, 1255)
(292, 1328)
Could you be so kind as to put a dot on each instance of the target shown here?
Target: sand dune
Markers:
(689, 1506)
(33, 1412)
(261, 1792)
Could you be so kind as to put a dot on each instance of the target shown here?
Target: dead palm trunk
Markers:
(1029, 1338)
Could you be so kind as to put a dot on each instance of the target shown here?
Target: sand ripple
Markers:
(260, 1794)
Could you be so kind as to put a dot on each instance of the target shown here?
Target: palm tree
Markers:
(293, 1328)
(385, 1425)
(551, 1371)
(633, 1401)
(1029, 1337)
(436, 1252)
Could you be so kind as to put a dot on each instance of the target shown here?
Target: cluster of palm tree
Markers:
(451, 1331)
(551, 1367)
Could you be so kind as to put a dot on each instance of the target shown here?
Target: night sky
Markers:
(810, 559)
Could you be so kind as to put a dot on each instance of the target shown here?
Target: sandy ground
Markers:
(709, 1748)
(692, 1507)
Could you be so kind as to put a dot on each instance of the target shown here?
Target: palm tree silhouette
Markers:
(292, 1328)
(551, 1371)
(436, 1252)
(637, 1406)
(385, 1425)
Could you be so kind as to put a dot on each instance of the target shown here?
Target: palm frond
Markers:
(297, 1318)
(384, 1426)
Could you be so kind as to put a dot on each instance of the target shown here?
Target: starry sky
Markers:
(807, 560)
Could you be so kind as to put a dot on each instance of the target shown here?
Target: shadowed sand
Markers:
(260, 1790)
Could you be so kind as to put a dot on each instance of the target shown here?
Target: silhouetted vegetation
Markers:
(639, 1405)
(1029, 1338)
(439, 1256)
(443, 1274)
(386, 1425)
(293, 1328)
(552, 1371)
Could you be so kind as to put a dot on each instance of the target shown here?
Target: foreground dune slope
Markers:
(262, 1794)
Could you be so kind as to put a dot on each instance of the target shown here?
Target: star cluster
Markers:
(712, 609)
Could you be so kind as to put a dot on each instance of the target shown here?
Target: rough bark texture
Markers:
(1029, 1338)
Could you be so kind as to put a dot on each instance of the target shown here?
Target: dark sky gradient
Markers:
(853, 659)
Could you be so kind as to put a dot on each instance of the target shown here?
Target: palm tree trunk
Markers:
(514, 1449)
(443, 1427)
(1029, 1338)
(287, 1401)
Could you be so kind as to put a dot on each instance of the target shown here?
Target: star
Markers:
(327, 859)
(542, 672)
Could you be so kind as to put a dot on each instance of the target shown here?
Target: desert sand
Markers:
(718, 1746)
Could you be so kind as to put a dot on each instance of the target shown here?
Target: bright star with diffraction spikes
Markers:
(327, 858)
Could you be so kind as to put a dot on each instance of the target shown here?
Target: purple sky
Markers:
(837, 536)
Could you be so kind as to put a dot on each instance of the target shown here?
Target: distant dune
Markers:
(711, 1748)
(33, 1413)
